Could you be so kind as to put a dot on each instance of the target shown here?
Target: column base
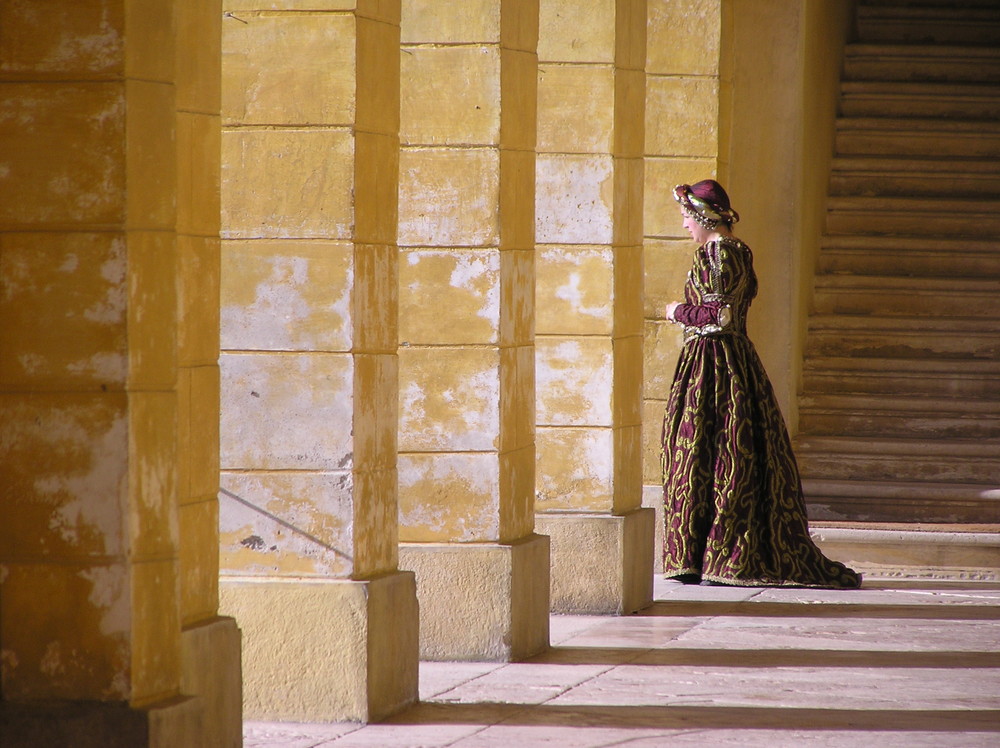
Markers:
(207, 715)
(482, 601)
(652, 497)
(601, 563)
(174, 723)
(318, 650)
(210, 670)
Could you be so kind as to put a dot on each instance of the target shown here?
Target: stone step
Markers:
(888, 295)
(955, 339)
(904, 406)
(917, 256)
(918, 263)
(895, 501)
(954, 4)
(903, 376)
(912, 177)
(913, 216)
(908, 550)
(920, 100)
(857, 458)
(979, 25)
(898, 416)
(921, 62)
(921, 137)
(933, 244)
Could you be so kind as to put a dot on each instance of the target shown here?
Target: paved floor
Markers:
(897, 663)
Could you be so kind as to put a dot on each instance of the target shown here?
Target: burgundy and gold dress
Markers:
(733, 498)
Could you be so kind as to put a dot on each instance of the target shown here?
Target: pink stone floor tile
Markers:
(440, 677)
(912, 663)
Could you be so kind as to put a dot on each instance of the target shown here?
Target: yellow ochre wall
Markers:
(466, 332)
(109, 188)
(435, 241)
(746, 95)
(787, 59)
(588, 231)
(309, 296)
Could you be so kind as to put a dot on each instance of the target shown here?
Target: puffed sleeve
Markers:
(707, 267)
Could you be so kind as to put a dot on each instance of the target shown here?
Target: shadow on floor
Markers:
(702, 717)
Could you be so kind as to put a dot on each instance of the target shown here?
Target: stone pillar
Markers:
(97, 449)
(210, 644)
(589, 300)
(466, 281)
(688, 104)
(309, 375)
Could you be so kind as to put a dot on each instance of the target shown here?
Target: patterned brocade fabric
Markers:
(733, 499)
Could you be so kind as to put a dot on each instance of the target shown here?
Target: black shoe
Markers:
(688, 578)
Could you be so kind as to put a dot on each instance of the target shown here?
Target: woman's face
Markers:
(698, 232)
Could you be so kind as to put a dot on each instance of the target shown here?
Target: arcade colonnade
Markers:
(416, 254)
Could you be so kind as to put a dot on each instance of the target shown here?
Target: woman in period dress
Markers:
(733, 499)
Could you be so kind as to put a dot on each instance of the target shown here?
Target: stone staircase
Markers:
(900, 409)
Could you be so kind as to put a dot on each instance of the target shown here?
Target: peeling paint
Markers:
(575, 469)
(51, 664)
(109, 594)
(287, 524)
(572, 293)
(102, 366)
(574, 199)
(574, 381)
(89, 500)
(8, 658)
(449, 497)
(449, 400)
(301, 300)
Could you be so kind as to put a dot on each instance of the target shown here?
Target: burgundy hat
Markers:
(706, 202)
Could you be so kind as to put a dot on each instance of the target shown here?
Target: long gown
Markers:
(734, 511)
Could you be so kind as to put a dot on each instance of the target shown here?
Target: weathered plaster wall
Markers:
(467, 369)
(588, 230)
(689, 92)
(786, 83)
(467, 271)
(198, 96)
(108, 379)
(589, 203)
(89, 531)
(309, 293)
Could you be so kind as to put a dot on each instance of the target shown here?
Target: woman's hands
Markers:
(670, 310)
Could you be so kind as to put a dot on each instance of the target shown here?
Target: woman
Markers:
(734, 508)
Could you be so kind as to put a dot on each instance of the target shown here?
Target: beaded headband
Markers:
(708, 215)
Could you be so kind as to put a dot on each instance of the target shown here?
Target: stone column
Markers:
(466, 281)
(309, 377)
(210, 644)
(589, 299)
(688, 104)
(97, 451)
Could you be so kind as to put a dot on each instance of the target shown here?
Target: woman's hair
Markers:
(707, 202)
(713, 192)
